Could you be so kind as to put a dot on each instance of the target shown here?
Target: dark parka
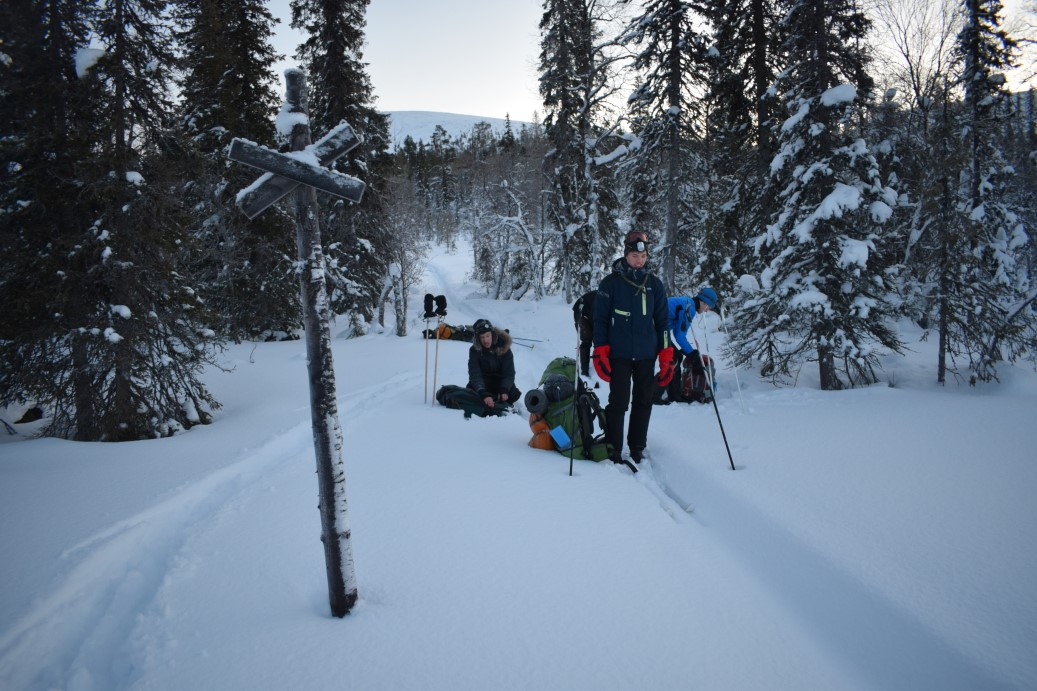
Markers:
(631, 314)
(491, 371)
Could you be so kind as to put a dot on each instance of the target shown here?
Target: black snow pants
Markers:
(641, 373)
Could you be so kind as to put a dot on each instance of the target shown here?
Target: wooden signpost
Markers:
(301, 173)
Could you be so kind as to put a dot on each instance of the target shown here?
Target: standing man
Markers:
(630, 331)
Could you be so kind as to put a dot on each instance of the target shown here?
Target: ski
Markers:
(627, 463)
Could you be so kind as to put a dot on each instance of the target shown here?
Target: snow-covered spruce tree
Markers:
(356, 237)
(739, 70)
(667, 177)
(245, 269)
(1021, 152)
(574, 85)
(986, 294)
(823, 297)
(125, 336)
(44, 111)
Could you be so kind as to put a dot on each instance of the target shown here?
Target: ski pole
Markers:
(706, 370)
(435, 366)
(576, 398)
(426, 358)
(531, 340)
(738, 384)
(526, 345)
(722, 433)
(440, 301)
(713, 391)
(428, 315)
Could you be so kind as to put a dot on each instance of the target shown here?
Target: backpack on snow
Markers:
(562, 417)
(461, 398)
(695, 385)
(447, 332)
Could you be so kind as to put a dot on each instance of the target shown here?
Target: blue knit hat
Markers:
(708, 296)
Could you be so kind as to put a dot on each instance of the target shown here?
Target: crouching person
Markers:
(491, 366)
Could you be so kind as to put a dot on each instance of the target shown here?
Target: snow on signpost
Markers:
(301, 173)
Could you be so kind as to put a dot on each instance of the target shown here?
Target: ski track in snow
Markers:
(68, 639)
(820, 592)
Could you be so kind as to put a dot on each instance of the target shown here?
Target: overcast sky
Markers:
(473, 57)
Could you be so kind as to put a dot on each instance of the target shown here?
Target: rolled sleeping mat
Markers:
(536, 401)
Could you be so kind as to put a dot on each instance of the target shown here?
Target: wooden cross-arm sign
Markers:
(285, 172)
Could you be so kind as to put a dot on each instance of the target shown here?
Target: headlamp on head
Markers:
(636, 241)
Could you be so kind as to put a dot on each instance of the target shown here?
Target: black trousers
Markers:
(640, 373)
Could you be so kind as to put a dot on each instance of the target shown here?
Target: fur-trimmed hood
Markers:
(501, 342)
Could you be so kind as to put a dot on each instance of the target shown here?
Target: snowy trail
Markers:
(838, 558)
(68, 638)
(815, 589)
(820, 592)
(848, 610)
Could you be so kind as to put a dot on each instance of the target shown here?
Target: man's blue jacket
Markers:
(630, 314)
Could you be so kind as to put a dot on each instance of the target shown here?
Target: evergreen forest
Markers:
(829, 167)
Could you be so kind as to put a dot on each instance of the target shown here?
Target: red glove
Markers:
(601, 362)
(665, 366)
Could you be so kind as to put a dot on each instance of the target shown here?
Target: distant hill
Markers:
(420, 124)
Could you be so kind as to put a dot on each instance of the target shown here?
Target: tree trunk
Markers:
(400, 304)
(826, 369)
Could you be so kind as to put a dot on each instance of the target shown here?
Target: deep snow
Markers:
(877, 538)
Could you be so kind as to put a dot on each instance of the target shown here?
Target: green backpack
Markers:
(572, 415)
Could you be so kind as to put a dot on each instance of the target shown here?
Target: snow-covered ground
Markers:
(878, 538)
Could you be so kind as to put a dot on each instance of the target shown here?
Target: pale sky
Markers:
(472, 57)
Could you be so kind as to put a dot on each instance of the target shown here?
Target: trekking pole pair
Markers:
(435, 306)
